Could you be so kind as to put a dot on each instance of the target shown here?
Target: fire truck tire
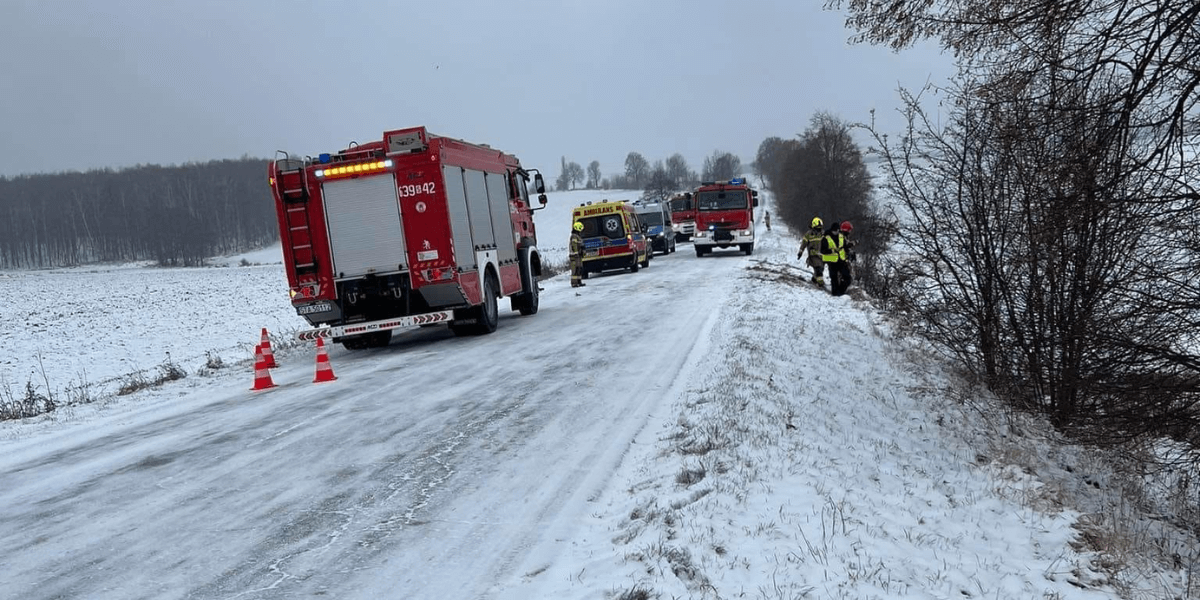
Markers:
(748, 249)
(488, 315)
(484, 317)
(672, 251)
(649, 255)
(701, 251)
(633, 268)
(527, 303)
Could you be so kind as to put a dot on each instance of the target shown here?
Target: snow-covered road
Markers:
(424, 445)
(704, 428)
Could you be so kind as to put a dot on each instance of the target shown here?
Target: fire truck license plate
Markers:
(316, 307)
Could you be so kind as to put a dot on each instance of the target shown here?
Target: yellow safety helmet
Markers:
(578, 226)
(816, 223)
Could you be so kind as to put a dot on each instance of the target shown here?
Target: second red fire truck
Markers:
(683, 216)
(411, 229)
(724, 216)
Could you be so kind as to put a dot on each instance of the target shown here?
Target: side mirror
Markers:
(756, 200)
(539, 185)
(542, 199)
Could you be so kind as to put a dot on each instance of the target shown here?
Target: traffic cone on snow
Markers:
(324, 370)
(266, 350)
(262, 377)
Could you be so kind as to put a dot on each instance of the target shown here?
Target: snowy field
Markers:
(705, 428)
(96, 324)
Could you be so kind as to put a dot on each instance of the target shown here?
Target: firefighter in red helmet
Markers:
(835, 252)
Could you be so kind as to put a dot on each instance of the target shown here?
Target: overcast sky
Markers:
(115, 83)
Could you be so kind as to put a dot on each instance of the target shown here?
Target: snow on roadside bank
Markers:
(816, 455)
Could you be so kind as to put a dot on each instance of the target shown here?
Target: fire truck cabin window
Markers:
(730, 200)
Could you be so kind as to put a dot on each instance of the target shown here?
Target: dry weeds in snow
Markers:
(864, 483)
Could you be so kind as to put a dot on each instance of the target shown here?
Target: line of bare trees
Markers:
(177, 215)
(658, 179)
(824, 174)
(1053, 216)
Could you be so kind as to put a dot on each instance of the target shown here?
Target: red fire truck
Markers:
(413, 229)
(724, 216)
(683, 216)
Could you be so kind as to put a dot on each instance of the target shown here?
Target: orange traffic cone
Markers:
(324, 370)
(266, 350)
(262, 377)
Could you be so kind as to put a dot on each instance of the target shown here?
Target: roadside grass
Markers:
(41, 396)
(140, 380)
(637, 593)
(29, 403)
(551, 267)
(748, 427)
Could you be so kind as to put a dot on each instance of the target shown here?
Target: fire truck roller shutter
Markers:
(477, 206)
(460, 222)
(506, 244)
(365, 230)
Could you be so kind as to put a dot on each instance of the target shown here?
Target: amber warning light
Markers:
(358, 169)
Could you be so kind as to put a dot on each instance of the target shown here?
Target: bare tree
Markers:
(679, 172)
(770, 158)
(721, 166)
(1057, 210)
(637, 169)
(660, 186)
(574, 174)
(593, 175)
(825, 176)
(563, 182)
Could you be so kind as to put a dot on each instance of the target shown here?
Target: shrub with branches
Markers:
(1052, 221)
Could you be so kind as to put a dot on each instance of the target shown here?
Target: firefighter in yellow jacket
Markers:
(812, 242)
(835, 250)
(576, 254)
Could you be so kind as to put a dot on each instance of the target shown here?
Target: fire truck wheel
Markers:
(633, 268)
(488, 316)
(527, 303)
